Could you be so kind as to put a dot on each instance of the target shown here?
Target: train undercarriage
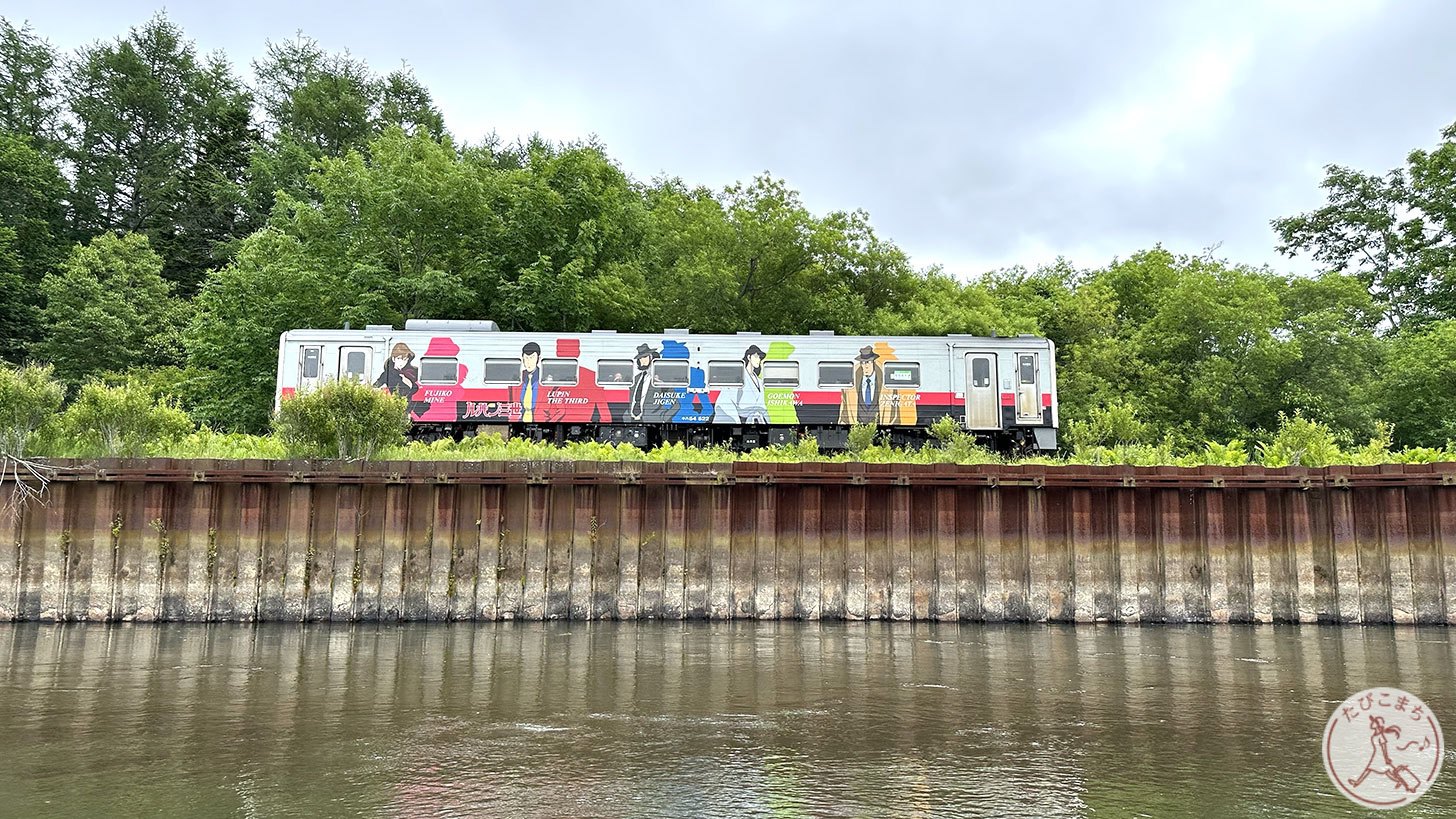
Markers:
(740, 438)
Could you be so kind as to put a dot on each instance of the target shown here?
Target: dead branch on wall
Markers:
(23, 482)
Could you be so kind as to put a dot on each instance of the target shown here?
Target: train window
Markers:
(902, 375)
(836, 374)
(355, 365)
(615, 373)
(725, 373)
(439, 371)
(781, 373)
(559, 372)
(980, 372)
(310, 362)
(1027, 366)
(502, 371)
(669, 373)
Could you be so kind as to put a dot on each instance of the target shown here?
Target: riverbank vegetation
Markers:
(347, 420)
(163, 217)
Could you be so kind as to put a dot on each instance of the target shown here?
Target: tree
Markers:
(754, 257)
(317, 105)
(1417, 392)
(232, 342)
(1335, 357)
(108, 309)
(1396, 232)
(157, 139)
(28, 104)
(32, 239)
(566, 220)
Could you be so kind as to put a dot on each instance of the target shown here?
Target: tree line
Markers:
(163, 219)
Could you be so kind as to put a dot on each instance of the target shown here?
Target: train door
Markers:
(1028, 388)
(983, 405)
(356, 363)
(310, 366)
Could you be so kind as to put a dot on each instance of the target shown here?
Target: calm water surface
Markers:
(768, 719)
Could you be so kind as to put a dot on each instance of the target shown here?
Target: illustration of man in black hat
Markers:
(745, 405)
(643, 360)
(860, 403)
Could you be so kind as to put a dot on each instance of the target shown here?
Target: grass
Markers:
(956, 449)
(1297, 442)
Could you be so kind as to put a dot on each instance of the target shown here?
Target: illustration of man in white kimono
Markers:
(745, 404)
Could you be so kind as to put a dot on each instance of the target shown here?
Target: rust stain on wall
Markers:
(296, 541)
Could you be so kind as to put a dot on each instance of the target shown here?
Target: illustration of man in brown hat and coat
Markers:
(864, 400)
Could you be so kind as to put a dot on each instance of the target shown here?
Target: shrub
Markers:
(862, 437)
(341, 419)
(1110, 426)
(804, 449)
(127, 420)
(945, 429)
(206, 443)
(1377, 450)
(30, 397)
(956, 445)
(1216, 454)
(1301, 442)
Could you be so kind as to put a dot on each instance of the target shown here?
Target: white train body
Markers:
(746, 389)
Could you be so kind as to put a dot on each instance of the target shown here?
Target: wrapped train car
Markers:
(744, 389)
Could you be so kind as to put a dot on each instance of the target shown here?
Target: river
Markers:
(698, 719)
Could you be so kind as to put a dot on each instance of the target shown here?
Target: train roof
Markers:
(384, 332)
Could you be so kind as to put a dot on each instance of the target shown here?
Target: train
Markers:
(743, 390)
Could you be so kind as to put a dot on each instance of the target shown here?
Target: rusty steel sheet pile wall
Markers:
(295, 541)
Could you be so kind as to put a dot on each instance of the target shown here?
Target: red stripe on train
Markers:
(824, 397)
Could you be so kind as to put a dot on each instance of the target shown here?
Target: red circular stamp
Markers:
(1382, 748)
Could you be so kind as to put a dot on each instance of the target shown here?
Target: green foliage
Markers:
(207, 443)
(804, 449)
(28, 85)
(125, 420)
(944, 429)
(157, 140)
(1232, 453)
(1115, 424)
(1416, 389)
(108, 309)
(954, 445)
(1300, 441)
(341, 419)
(1162, 453)
(32, 235)
(1396, 232)
(30, 397)
(862, 437)
(318, 105)
(963, 449)
(332, 193)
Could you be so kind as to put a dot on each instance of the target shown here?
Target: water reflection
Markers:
(737, 719)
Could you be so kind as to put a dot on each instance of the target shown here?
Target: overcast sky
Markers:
(977, 135)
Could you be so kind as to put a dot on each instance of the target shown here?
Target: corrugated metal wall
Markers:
(293, 541)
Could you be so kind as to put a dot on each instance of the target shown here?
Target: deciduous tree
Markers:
(1395, 231)
(108, 309)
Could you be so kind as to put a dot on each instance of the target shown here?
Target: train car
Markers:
(744, 390)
